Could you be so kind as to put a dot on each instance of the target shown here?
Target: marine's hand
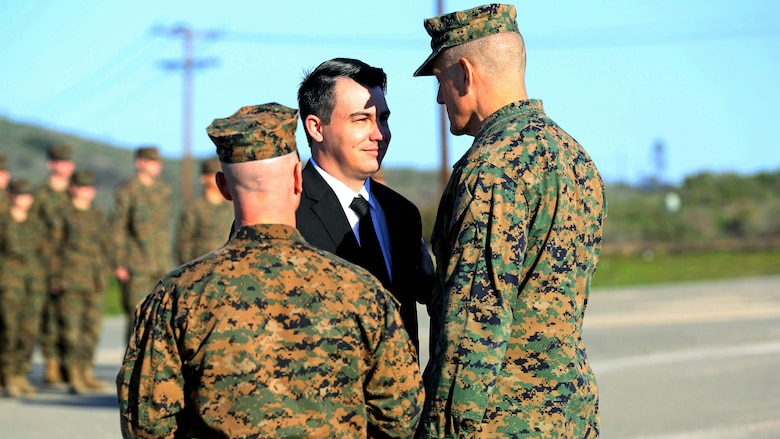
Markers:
(122, 274)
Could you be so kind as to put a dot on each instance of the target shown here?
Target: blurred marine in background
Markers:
(51, 198)
(203, 222)
(23, 287)
(82, 281)
(141, 230)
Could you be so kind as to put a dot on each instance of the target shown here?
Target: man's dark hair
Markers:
(315, 94)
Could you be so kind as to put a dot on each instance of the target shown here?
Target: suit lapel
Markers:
(327, 212)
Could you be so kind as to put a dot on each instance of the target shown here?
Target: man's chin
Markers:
(457, 131)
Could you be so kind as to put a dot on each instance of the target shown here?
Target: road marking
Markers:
(677, 316)
(662, 358)
(725, 432)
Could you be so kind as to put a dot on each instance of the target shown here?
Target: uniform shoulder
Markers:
(191, 271)
(344, 268)
(127, 185)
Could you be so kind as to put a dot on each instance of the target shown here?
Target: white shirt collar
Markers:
(345, 196)
(343, 192)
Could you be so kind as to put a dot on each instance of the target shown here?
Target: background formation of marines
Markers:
(59, 252)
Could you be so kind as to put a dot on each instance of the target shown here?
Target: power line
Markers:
(27, 20)
(620, 36)
(107, 76)
(278, 39)
(651, 35)
(140, 89)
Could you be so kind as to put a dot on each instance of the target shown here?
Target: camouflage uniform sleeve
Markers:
(481, 287)
(150, 385)
(185, 236)
(4, 218)
(118, 223)
(57, 269)
(46, 212)
(106, 243)
(394, 392)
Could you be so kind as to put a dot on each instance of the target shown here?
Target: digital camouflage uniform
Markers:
(3, 200)
(22, 289)
(82, 281)
(49, 205)
(517, 240)
(142, 240)
(268, 336)
(202, 225)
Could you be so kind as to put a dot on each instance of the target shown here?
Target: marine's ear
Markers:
(222, 185)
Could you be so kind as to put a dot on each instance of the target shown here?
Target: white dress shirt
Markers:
(345, 196)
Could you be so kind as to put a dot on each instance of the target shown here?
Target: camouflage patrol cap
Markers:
(20, 186)
(255, 132)
(210, 166)
(148, 153)
(460, 27)
(82, 178)
(59, 152)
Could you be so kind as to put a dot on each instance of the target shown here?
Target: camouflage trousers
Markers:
(81, 314)
(22, 297)
(51, 331)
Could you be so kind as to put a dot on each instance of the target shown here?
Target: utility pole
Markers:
(659, 158)
(186, 65)
(443, 131)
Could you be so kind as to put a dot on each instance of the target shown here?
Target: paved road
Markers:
(697, 361)
(690, 361)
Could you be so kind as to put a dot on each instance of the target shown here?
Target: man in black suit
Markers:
(345, 116)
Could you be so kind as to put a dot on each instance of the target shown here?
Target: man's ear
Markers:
(298, 178)
(465, 74)
(219, 177)
(313, 126)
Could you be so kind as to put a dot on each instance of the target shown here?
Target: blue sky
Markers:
(698, 77)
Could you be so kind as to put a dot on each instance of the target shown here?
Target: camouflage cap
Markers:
(82, 178)
(210, 166)
(20, 186)
(255, 133)
(3, 162)
(148, 153)
(460, 27)
(59, 152)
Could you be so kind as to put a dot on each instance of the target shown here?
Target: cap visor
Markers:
(426, 69)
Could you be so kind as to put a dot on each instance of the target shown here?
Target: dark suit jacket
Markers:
(322, 222)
